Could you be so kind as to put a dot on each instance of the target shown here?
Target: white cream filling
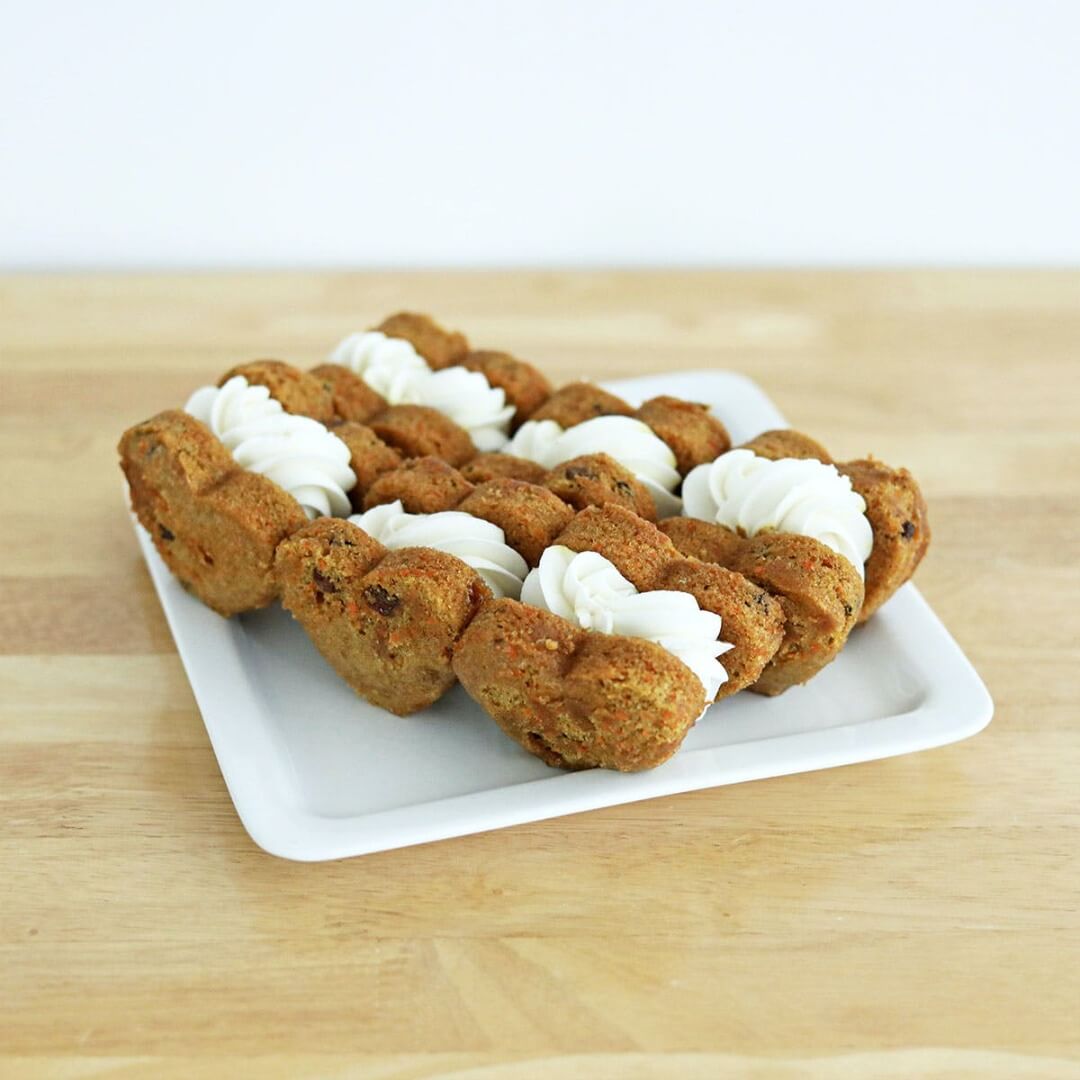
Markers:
(299, 454)
(752, 494)
(632, 443)
(588, 590)
(480, 544)
(394, 369)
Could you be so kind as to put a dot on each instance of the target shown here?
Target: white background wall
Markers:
(479, 132)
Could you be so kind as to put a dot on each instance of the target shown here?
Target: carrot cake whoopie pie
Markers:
(594, 574)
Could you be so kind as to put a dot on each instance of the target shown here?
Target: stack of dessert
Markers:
(594, 574)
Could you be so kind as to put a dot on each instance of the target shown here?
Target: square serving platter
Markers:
(317, 773)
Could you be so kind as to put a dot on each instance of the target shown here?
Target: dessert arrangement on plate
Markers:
(594, 575)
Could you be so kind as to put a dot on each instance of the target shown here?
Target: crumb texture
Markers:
(215, 525)
(385, 621)
(574, 698)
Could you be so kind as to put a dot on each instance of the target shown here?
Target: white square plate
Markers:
(317, 773)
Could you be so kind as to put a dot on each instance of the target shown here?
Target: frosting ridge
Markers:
(479, 543)
(299, 454)
(394, 369)
(632, 443)
(588, 590)
(752, 494)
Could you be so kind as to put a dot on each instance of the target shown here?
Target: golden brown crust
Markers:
(637, 548)
(820, 591)
(485, 467)
(579, 401)
(693, 433)
(702, 539)
(785, 443)
(894, 508)
(424, 485)
(530, 516)
(215, 525)
(386, 622)
(299, 392)
(418, 431)
(751, 620)
(897, 513)
(599, 480)
(353, 399)
(525, 387)
(438, 346)
(577, 699)
(370, 457)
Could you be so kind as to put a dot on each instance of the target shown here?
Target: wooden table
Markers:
(906, 918)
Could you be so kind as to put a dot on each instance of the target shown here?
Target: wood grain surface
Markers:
(905, 918)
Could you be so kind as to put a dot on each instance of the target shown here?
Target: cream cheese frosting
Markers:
(589, 591)
(299, 454)
(752, 494)
(632, 443)
(480, 544)
(394, 369)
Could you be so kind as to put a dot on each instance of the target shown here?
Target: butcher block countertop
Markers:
(905, 918)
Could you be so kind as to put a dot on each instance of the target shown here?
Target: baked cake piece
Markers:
(439, 347)
(369, 457)
(610, 698)
(677, 607)
(410, 361)
(420, 431)
(897, 513)
(299, 392)
(783, 481)
(502, 466)
(384, 620)
(599, 480)
(752, 620)
(577, 699)
(215, 525)
(787, 443)
(530, 516)
(352, 398)
(820, 594)
(693, 433)
(423, 485)
(525, 388)
(820, 591)
(220, 484)
(577, 402)
(629, 442)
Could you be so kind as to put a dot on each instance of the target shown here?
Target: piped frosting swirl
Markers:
(299, 454)
(589, 591)
(394, 369)
(630, 442)
(751, 495)
(480, 544)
